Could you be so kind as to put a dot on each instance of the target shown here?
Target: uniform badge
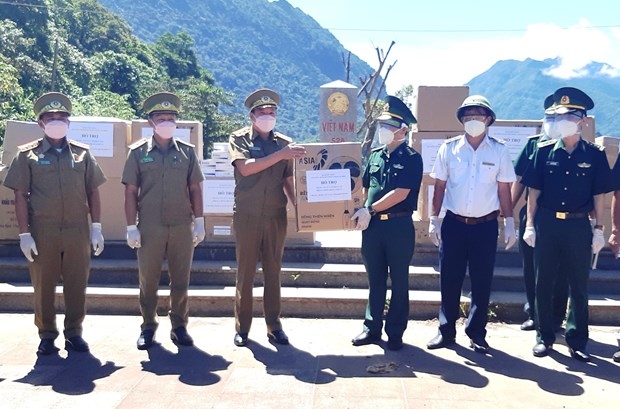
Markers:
(584, 165)
(146, 159)
(552, 163)
(398, 166)
(255, 148)
(41, 155)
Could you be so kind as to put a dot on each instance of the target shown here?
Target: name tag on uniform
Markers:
(398, 166)
(146, 159)
(255, 148)
(584, 165)
(552, 163)
(44, 162)
(488, 164)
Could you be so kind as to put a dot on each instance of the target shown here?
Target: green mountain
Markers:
(253, 44)
(517, 89)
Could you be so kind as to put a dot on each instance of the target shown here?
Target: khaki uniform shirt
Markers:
(58, 182)
(261, 193)
(163, 178)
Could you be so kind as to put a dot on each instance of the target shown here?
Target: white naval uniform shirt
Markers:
(472, 176)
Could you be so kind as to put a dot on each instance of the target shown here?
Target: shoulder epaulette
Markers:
(191, 145)
(546, 143)
(377, 149)
(79, 144)
(494, 139)
(30, 145)
(282, 136)
(137, 144)
(454, 138)
(242, 132)
(539, 135)
(595, 145)
(410, 150)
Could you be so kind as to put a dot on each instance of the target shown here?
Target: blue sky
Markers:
(450, 42)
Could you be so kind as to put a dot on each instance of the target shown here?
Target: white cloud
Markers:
(443, 62)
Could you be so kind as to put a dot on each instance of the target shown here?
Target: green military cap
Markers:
(568, 99)
(476, 101)
(162, 103)
(396, 113)
(548, 102)
(263, 97)
(52, 102)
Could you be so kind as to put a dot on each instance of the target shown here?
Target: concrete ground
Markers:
(320, 369)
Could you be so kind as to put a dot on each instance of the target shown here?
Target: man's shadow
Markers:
(191, 364)
(73, 375)
(550, 380)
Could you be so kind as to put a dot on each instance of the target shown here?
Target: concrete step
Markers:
(296, 302)
(110, 272)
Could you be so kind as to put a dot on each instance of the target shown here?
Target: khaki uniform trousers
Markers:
(175, 242)
(64, 252)
(258, 238)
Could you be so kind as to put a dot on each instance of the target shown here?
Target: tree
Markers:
(176, 53)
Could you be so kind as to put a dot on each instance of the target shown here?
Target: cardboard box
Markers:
(218, 195)
(329, 211)
(588, 129)
(9, 229)
(189, 131)
(610, 143)
(107, 138)
(220, 229)
(427, 144)
(435, 107)
(113, 222)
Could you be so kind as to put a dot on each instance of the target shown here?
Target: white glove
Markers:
(362, 218)
(529, 236)
(96, 238)
(198, 230)
(28, 246)
(510, 236)
(134, 240)
(434, 230)
(598, 240)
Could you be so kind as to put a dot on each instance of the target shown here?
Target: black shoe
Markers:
(528, 325)
(241, 340)
(616, 357)
(180, 336)
(479, 345)
(77, 344)
(440, 342)
(579, 354)
(541, 349)
(47, 347)
(365, 338)
(278, 336)
(394, 344)
(145, 341)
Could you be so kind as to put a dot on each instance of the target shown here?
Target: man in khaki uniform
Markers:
(264, 178)
(56, 189)
(163, 207)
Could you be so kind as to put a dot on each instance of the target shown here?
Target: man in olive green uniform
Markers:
(56, 189)
(163, 195)
(263, 161)
(392, 182)
(567, 179)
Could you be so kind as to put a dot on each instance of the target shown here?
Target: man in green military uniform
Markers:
(163, 207)
(391, 182)
(56, 184)
(263, 161)
(567, 179)
(560, 295)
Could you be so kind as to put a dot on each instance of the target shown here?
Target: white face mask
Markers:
(385, 135)
(566, 128)
(265, 123)
(165, 129)
(56, 129)
(474, 128)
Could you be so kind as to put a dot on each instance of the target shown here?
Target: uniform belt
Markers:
(386, 216)
(474, 220)
(570, 215)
